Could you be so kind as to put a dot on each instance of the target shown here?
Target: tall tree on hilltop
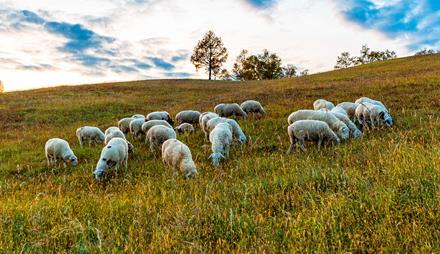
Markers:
(210, 53)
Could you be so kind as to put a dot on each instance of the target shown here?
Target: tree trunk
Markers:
(210, 65)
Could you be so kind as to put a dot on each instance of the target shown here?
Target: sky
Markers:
(59, 42)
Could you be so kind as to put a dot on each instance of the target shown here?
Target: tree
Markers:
(225, 75)
(344, 61)
(290, 71)
(2, 88)
(246, 67)
(366, 56)
(257, 67)
(425, 52)
(269, 66)
(210, 54)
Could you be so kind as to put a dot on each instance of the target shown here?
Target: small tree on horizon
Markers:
(210, 53)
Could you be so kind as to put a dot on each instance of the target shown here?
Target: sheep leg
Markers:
(126, 162)
(292, 144)
(301, 142)
(49, 160)
(80, 141)
(151, 147)
(227, 149)
(319, 144)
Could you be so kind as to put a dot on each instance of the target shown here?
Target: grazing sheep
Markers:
(237, 133)
(221, 139)
(177, 154)
(321, 103)
(354, 131)
(136, 127)
(372, 115)
(157, 135)
(138, 116)
(335, 124)
(160, 115)
(313, 130)
(253, 107)
(203, 120)
(148, 124)
(114, 132)
(184, 127)
(112, 155)
(188, 116)
(57, 148)
(124, 124)
(89, 133)
(230, 110)
(375, 102)
(350, 108)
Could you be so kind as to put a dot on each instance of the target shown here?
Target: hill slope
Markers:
(376, 193)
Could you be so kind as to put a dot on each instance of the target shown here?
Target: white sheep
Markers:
(90, 134)
(112, 155)
(375, 102)
(157, 135)
(335, 124)
(253, 107)
(188, 116)
(354, 131)
(148, 124)
(138, 116)
(184, 127)
(321, 103)
(313, 130)
(114, 132)
(124, 124)
(177, 154)
(372, 114)
(57, 148)
(203, 120)
(350, 108)
(221, 140)
(160, 115)
(237, 132)
(230, 110)
(136, 127)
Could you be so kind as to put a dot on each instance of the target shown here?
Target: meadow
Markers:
(378, 193)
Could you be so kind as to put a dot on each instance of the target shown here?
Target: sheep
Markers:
(136, 127)
(335, 124)
(350, 108)
(354, 131)
(177, 154)
(253, 107)
(114, 132)
(159, 134)
(203, 120)
(160, 115)
(313, 130)
(375, 102)
(188, 116)
(184, 127)
(230, 110)
(149, 124)
(112, 155)
(124, 124)
(237, 133)
(321, 103)
(221, 139)
(89, 133)
(372, 114)
(57, 148)
(138, 116)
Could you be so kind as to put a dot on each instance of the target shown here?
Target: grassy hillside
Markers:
(377, 193)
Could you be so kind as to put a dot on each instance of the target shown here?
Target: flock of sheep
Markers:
(325, 122)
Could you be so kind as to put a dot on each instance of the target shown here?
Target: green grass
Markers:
(379, 193)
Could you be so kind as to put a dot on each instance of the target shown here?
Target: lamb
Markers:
(136, 127)
(354, 131)
(372, 114)
(188, 116)
(321, 103)
(312, 130)
(114, 132)
(112, 155)
(57, 148)
(160, 115)
(203, 120)
(124, 124)
(334, 123)
(138, 116)
(221, 139)
(149, 124)
(90, 134)
(237, 133)
(184, 127)
(253, 107)
(366, 99)
(157, 135)
(230, 110)
(349, 107)
(177, 154)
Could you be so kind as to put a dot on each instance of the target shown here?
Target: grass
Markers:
(379, 193)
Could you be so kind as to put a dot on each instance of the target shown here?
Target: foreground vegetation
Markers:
(378, 193)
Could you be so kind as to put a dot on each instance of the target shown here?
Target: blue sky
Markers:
(52, 42)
